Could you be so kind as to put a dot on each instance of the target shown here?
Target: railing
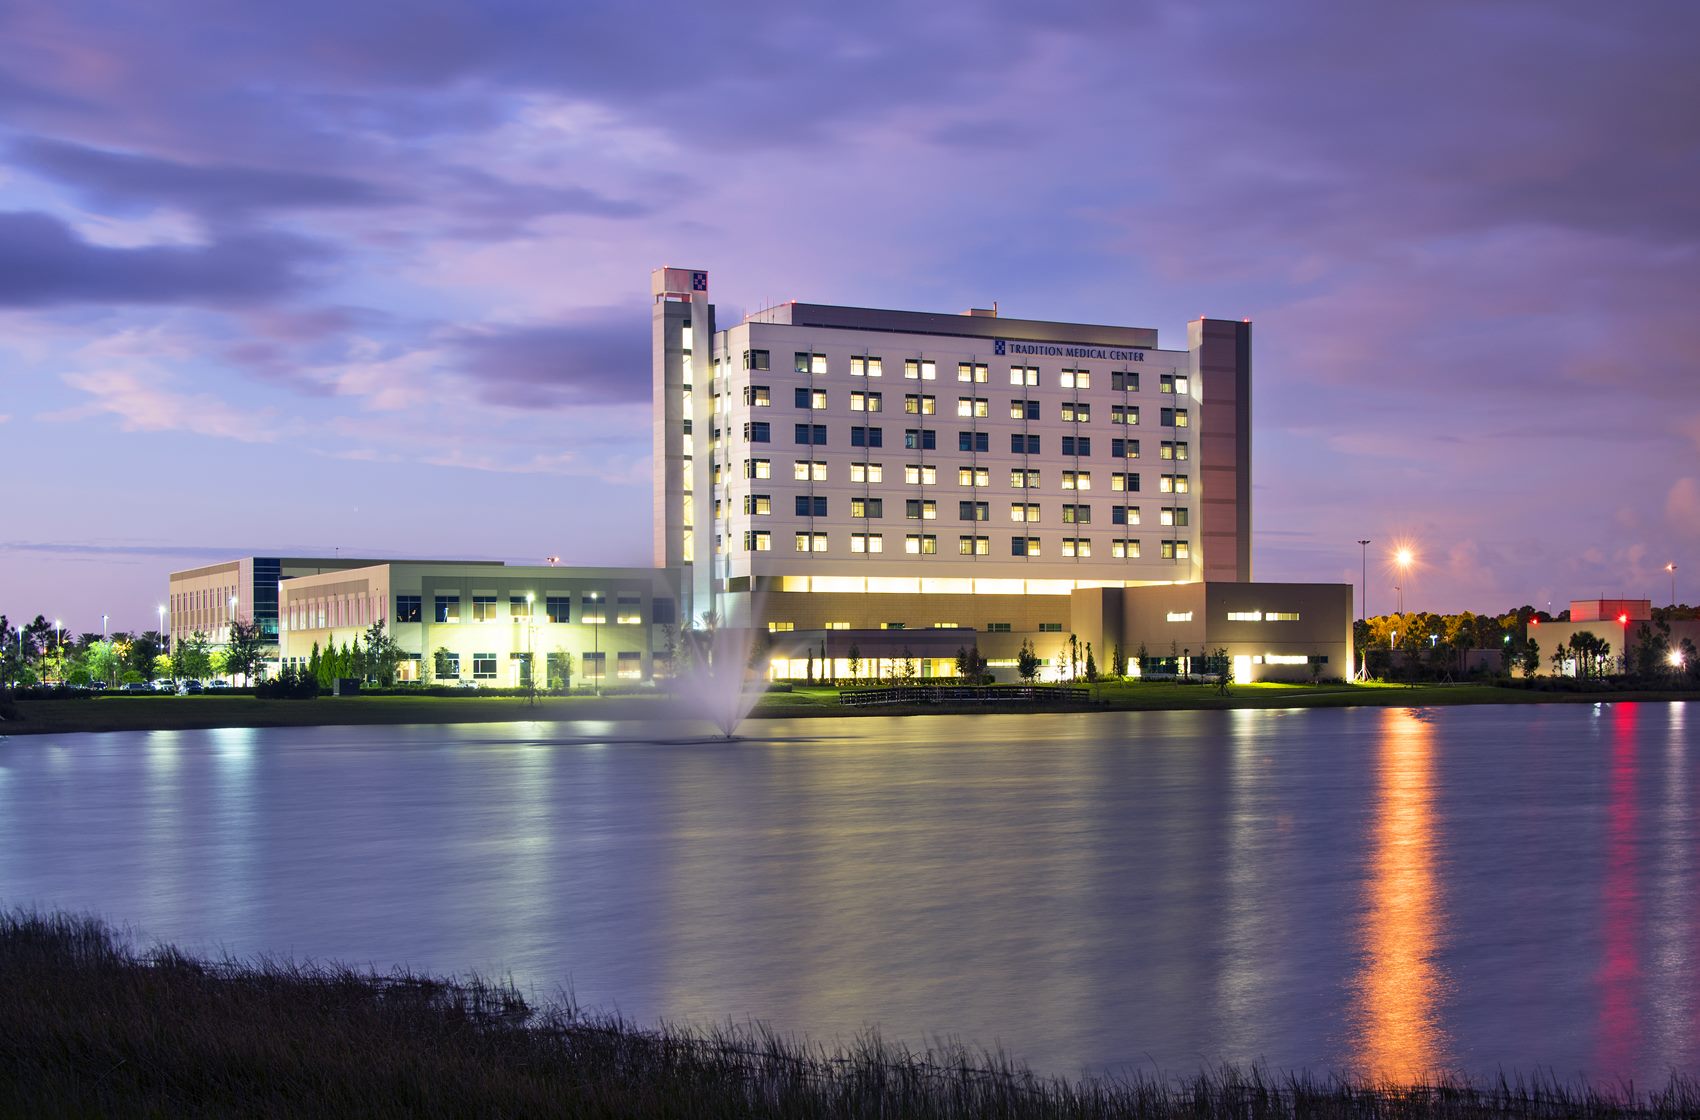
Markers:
(965, 694)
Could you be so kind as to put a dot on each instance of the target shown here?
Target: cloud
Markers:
(596, 356)
(42, 264)
(1682, 506)
(129, 181)
(142, 405)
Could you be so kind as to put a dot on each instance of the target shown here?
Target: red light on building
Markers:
(1623, 618)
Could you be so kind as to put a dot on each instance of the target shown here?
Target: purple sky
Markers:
(285, 278)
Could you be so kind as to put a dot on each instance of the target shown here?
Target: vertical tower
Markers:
(681, 349)
(1221, 366)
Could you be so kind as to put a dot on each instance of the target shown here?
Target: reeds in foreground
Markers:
(89, 1026)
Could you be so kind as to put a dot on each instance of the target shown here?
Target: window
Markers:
(808, 470)
(921, 544)
(973, 441)
(758, 540)
(1024, 375)
(918, 405)
(1024, 480)
(997, 627)
(1128, 381)
(867, 472)
(835, 626)
(921, 509)
(628, 610)
(1077, 412)
(1124, 515)
(867, 507)
(757, 396)
(756, 359)
(808, 434)
(1077, 445)
(1024, 511)
(592, 608)
(893, 625)
(518, 607)
(867, 437)
(1077, 546)
(921, 475)
(971, 371)
(630, 665)
(756, 431)
(920, 369)
(662, 612)
(808, 363)
(809, 398)
(483, 608)
(408, 608)
(865, 402)
(1023, 445)
(867, 542)
(811, 542)
(558, 608)
(1176, 550)
(1050, 628)
(1024, 546)
(1124, 449)
(1077, 515)
(483, 666)
(1023, 410)
(1128, 481)
(447, 665)
(973, 476)
(595, 665)
(1173, 516)
(1077, 480)
(758, 468)
(1172, 484)
(972, 511)
(1125, 549)
(448, 608)
(760, 505)
(974, 546)
(1281, 616)
(1076, 379)
(1173, 383)
(1124, 414)
(1175, 450)
(781, 627)
(864, 367)
(810, 507)
(972, 406)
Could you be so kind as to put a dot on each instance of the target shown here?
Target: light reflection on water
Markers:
(1390, 892)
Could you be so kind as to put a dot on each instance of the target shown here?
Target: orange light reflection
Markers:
(1398, 1035)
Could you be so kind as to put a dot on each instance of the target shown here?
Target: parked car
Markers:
(218, 684)
(187, 687)
(98, 686)
(165, 686)
(137, 686)
(466, 684)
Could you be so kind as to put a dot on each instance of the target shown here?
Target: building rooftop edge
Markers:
(833, 316)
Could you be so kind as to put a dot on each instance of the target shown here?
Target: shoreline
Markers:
(203, 712)
(94, 1026)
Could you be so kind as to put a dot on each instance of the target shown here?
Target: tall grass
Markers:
(89, 1026)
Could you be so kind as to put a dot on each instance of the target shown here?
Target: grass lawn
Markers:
(138, 713)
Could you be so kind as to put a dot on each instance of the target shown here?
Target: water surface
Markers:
(1395, 891)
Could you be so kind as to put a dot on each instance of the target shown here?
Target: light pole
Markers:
(161, 630)
(1399, 590)
(1363, 580)
(1671, 568)
(103, 619)
(530, 619)
(596, 642)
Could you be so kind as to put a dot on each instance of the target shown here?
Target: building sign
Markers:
(1063, 350)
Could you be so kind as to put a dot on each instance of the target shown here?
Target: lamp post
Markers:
(1671, 568)
(530, 621)
(1399, 590)
(103, 619)
(161, 630)
(596, 641)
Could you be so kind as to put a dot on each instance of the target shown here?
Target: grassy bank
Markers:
(148, 713)
(91, 1027)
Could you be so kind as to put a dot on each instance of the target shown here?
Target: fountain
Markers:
(713, 680)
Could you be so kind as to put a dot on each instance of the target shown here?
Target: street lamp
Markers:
(530, 621)
(161, 630)
(596, 642)
(1363, 599)
(1399, 590)
(103, 619)
(1671, 568)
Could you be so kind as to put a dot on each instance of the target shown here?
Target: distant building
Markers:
(1615, 621)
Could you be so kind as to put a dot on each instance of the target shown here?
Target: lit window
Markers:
(867, 507)
(921, 544)
(1076, 412)
(809, 398)
(1024, 511)
(1125, 549)
(808, 470)
(865, 402)
(1075, 379)
(835, 626)
(1077, 515)
(758, 468)
(628, 610)
(1172, 484)
(1024, 375)
(921, 475)
(483, 608)
(1173, 383)
(1176, 550)
(1124, 515)
(920, 369)
(758, 540)
(759, 505)
(1024, 546)
(1128, 481)
(757, 396)
(781, 627)
(1124, 414)
(921, 405)
(973, 476)
(921, 509)
(974, 546)
(1077, 547)
(972, 406)
(811, 542)
(867, 542)
(1024, 480)
(1282, 616)
(1023, 410)
(1172, 516)
(1173, 450)
(864, 367)
(867, 472)
(970, 371)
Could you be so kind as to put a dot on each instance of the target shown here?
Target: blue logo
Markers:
(699, 281)
(997, 347)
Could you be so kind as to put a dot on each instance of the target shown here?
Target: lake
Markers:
(1384, 891)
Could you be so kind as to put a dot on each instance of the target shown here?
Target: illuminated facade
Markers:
(834, 474)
